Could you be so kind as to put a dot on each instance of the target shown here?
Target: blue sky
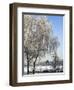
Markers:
(57, 27)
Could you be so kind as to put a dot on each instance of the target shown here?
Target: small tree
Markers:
(54, 44)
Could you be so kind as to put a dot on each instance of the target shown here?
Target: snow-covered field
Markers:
(41, 68)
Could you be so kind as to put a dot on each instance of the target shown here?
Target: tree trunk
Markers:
(54, 66)
(55, 62)
(33, 67)
(27, 65)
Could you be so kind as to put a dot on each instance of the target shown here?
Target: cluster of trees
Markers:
(38, 39)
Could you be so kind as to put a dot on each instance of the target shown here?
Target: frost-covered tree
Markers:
(37, 38)
(54, 44)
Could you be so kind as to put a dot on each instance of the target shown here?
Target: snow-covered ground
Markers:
(42, 68)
